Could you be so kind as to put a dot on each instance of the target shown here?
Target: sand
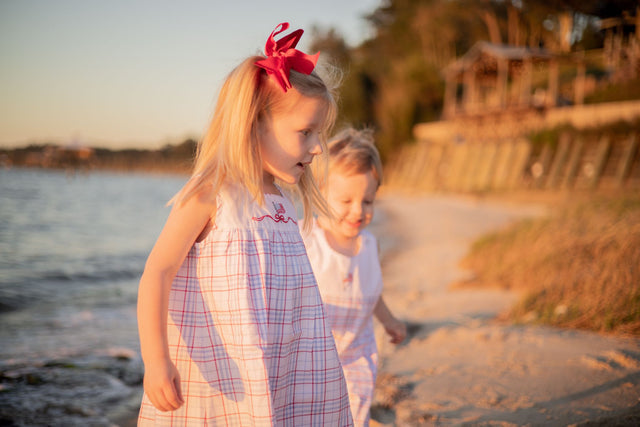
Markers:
(459, 366)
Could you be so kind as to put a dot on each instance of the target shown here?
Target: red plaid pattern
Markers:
(350, 288)
(247, 330)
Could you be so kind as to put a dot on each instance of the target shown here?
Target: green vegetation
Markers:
(394, 79)
(578, 268)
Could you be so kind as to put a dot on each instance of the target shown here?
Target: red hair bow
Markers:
(283, 57)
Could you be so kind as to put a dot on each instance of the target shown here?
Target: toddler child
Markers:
(344, 257)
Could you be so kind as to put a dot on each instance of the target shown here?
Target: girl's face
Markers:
(289, 139)
(350, 198)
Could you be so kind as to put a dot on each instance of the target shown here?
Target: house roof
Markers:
(483, 49)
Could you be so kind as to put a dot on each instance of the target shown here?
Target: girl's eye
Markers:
(306, 132)
(367, 202)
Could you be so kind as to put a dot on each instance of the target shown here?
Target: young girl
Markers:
(232, 328)
(344, 257)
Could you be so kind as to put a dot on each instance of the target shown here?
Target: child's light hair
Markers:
(230, 149)
(353, 151)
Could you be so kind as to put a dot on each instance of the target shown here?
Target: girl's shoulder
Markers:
(311, 232)
(313, 237)
(204, 192)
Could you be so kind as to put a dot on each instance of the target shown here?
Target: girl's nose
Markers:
(316, 146)
(356, 209)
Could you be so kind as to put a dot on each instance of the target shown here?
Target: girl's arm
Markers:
(184, 225)
(394, 327)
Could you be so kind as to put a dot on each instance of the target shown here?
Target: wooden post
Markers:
(423, 166)
(525, 82)
(540, 168)
(450, 100)
(474, 165)
(504, 157)
(607, 48)
(552, 96)
(634, 45)
(565, 20)
(574, 163)
(398, 175)
(503, 77)
(489, 151)
(457, 165)
(578, 86)
(434, 163)
(626, 160)
(469, 90)
(637, 29)
(598, 162)
(412, 166)
(558, 161)
(519, 160)
(617, 45)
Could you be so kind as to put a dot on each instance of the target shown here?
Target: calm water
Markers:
(72, 248)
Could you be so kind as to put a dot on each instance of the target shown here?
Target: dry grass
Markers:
(578, 268)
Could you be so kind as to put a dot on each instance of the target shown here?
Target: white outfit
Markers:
(247, 328)
(350, 289)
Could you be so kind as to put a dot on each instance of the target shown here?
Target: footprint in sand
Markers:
(389, 391)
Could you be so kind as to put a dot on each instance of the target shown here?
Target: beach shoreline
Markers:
(459, 365)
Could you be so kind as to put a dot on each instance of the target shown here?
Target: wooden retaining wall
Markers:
(572, 162)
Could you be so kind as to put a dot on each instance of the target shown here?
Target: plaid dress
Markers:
(350, 288)
(247, 330)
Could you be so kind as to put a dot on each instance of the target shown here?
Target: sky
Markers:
(143, 73)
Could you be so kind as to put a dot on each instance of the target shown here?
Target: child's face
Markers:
(290, 138)
(351, 198)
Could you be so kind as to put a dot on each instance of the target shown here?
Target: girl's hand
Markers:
(397, 330)
(162, 386)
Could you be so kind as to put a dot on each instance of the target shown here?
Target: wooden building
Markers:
(492, 77)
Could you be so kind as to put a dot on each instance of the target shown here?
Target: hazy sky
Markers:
(123, 73)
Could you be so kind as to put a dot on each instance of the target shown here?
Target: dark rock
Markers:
(88, 390)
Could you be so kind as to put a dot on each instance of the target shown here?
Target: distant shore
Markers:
(168, 159)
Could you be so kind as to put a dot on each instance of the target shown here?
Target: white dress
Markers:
(247, 330)
(350, 288)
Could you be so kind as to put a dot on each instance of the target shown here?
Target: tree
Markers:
(392, 81)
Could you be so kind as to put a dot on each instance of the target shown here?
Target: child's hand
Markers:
(397, 330)
(162, 385)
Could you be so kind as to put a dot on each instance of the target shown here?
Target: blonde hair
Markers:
(353, 151)
(229, 152)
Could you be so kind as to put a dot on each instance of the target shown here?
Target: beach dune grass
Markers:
(579, 267)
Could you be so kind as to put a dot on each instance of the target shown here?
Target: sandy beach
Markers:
(459, 366)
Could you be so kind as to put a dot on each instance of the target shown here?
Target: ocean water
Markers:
(72, 248)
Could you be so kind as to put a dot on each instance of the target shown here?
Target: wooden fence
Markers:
(572, 162)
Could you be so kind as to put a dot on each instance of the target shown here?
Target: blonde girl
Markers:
(232, 328)
(344, 257)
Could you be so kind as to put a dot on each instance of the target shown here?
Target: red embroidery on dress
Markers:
(279, 208)
(279, 217)
(348, 279)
